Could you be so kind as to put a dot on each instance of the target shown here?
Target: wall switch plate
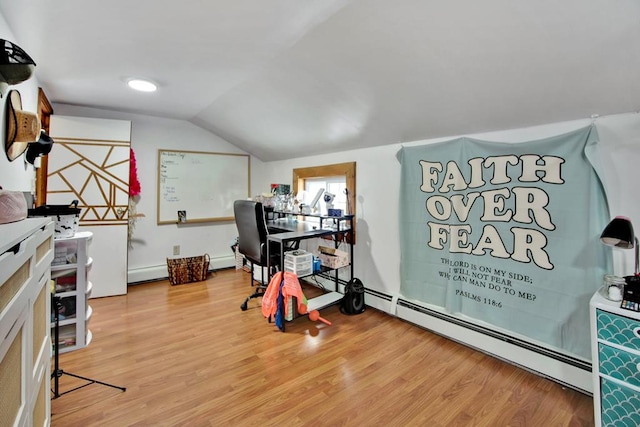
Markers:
(176, 249)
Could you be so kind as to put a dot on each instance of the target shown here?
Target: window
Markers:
(334, 179)
(334, 185)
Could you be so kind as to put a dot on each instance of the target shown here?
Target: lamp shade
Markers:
(619, 233)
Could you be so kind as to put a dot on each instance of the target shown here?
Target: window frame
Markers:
(346, 170)
(45, 110)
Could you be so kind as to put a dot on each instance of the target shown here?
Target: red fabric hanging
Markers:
(134, 184)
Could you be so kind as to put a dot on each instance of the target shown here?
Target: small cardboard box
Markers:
(333, 258)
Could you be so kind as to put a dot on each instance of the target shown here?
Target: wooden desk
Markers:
(292, 225)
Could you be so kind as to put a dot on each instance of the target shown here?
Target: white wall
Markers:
(17, 175)
(377, 253)
(153, 243)
(378, 180)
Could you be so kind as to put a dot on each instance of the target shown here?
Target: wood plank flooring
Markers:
(189, 356)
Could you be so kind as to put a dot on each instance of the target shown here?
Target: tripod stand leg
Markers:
(57, 372)
(90, 381)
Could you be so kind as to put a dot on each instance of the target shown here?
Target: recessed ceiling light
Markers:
(142, 85)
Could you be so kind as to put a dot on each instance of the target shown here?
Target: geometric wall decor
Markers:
(94, 172)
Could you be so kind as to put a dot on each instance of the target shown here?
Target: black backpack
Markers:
(353, 300)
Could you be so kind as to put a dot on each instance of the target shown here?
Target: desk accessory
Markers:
(631, 294)
(308, 209)
(328, 199)
(346, 194)
(613, 287)
(619, 233)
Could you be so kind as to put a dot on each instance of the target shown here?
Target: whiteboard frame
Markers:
(195, 220)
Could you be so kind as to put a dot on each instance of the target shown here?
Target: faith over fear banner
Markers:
(506, 234)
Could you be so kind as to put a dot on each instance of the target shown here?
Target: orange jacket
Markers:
(290, 288)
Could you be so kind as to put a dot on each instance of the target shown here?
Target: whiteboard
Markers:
(203, 185)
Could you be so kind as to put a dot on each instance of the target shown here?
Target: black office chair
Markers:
(252, 241)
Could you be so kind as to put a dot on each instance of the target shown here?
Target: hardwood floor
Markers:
(189, 356)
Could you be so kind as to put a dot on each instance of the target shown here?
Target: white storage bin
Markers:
(299, 262)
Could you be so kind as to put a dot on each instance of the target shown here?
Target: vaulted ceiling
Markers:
(288, 78)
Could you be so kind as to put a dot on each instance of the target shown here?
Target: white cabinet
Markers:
(26, 251)
(70, 273)
(615, 348)
(92, 155)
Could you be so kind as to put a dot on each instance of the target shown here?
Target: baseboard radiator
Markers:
(560, 367)
(160, 272)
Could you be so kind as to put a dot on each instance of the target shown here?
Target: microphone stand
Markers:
(57, 372)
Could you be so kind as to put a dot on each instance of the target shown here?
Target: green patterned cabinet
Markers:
(615, 348)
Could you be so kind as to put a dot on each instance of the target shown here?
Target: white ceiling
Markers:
(287, 78)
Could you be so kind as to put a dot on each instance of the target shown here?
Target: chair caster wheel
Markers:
(244, 307)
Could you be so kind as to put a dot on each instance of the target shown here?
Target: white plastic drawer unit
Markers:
(298, 262)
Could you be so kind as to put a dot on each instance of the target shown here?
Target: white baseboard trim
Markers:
(159, 272)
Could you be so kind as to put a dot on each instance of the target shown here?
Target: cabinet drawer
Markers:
(619, 364)
(619, 405)
(618, 329)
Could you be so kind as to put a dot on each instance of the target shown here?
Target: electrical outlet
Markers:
(176, 249)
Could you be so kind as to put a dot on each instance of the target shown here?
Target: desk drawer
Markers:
(619, 364)
(619, 404)
(618, 329)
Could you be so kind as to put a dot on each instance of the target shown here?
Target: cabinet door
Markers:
(14, 375)
(41, 373)
(90, 162)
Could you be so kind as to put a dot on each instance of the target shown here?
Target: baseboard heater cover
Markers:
(377, 294)
(343, 282)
